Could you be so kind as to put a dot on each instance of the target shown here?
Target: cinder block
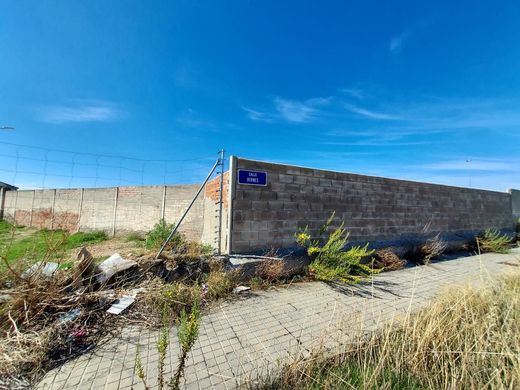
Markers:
(373, 206)
(286, 178)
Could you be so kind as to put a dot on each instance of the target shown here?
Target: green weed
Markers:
(44, 245)
(81, 238)
(329, 260)
(187, 333)
(492, 241)
(157, 236)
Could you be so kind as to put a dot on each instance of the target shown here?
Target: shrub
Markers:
(492, 241)
(432, 248)
(329, 260)
(179, 244)
(270, 270)
(155, 238)
(423, 252)
(387, 260)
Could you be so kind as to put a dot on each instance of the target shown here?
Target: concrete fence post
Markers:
(231, 194)
(80, 207)
(15, 207)
(116, 195)
(163, 203)
(32, 208)
(2, 202)
(52, 208)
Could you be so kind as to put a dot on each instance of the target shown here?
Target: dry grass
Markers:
(388, 260)
(467, 338)
(432, 248)
(220, 282)
(425, 252)
(22, 352)
(270, 270)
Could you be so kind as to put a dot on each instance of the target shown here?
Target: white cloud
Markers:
(371, 114)
(292, 111)
(82, 112)
(354, 92)
(255, 115)
(397, 42)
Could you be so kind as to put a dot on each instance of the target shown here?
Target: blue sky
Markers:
(148, 91)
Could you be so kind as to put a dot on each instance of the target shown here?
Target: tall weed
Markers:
(329, 259)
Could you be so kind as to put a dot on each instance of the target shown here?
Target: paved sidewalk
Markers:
(239, 340)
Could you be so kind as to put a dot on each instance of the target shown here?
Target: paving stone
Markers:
(240, 340)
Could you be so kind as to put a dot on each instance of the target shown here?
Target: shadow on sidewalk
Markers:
(377, 289)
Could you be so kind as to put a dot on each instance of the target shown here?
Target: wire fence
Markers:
(75, 190)
(36, 167)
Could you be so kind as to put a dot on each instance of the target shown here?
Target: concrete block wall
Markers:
(373, 208)
(114, 210)
(176, 201)
(66, 209)
(258, 218)
(97, 210)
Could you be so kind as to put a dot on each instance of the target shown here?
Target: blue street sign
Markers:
(253, 178)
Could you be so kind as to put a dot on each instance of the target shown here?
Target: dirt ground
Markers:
(128, 249)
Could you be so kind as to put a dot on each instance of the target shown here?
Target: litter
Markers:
(69, 316)
(79, 333)
(113, 265)
(239, 289)
(121, 304)
(83, 268)
(43, 269)
(124, 302)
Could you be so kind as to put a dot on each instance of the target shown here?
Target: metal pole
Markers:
(221, 159)
(188, 209)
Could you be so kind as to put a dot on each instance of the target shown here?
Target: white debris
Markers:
(42, 269)
(113, 265)
(239, 289)
(121, 304)
(125, 301)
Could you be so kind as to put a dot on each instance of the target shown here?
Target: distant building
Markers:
(7, 187)
(4, 187)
